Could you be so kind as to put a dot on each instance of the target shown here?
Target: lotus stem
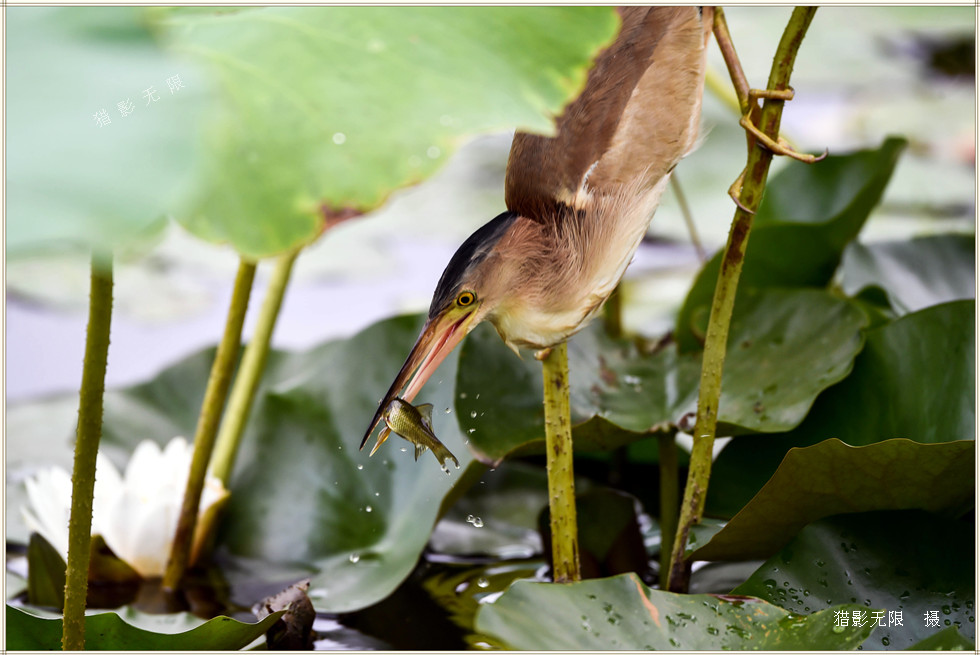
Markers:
(250, 371)
(561, 474)
(716, 338)
(685, 208)
(667, 456)
(207, 423)
(88, 435)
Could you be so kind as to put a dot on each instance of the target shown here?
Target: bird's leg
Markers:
(748, 100)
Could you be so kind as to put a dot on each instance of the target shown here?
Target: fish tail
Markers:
(442, 454)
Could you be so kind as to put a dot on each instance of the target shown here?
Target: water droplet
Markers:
(473, 414)
(368, 509)
(377, 494)
(354, 558)
(471, 430)
(433, 152)
(476, 521)
(360, 467)
(449, 411)
(403, 449)
(482, 583)
(339, 138)
(946, 609)
(885, 641)
(838, 629)
(462, 394)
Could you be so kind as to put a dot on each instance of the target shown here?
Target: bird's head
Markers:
(472, 285)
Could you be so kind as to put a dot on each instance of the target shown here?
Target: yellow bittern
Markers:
(578, 203)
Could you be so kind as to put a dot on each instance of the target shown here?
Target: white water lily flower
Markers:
(137, 513)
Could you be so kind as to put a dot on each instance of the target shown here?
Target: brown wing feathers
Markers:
(634, 114)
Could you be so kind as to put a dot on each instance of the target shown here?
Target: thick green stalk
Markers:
(250, 372)
(716, 338)
(561, 475)
(86, 448)
(207, 423)
(667, 455)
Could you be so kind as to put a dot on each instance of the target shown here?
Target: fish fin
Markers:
(419, 449)
(425, 410)
(382, 437)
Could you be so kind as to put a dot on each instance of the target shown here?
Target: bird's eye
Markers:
(465, 299)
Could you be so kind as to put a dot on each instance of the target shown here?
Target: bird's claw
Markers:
(735, 192)
(777, 146)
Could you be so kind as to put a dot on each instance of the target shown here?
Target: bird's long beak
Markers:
(439, 336)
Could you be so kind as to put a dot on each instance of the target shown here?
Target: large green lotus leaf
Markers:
(112, 631)
(786, 346)
(70, 181)
(305, 502)
(915, 379)
(621, 613)
(916, 273)
(832, 477)
(329, 109)
(808, 215)
(910, 562)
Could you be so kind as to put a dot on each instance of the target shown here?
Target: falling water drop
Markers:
(339, 138)
(354, 558)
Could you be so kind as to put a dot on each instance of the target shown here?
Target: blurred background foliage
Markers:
(866, 72)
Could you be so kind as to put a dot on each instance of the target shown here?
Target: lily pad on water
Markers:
(305, 502)
(327, 110)
(883, 398)
(105, 138)
(111, 631)
(910, 562)
(833, 478)
(621, 613)
(786, 346)
(916, 273)
(794, 243)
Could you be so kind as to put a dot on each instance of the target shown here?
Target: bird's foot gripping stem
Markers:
(757, 137)
(751, 111)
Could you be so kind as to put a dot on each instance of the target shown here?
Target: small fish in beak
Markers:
(413, 424)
